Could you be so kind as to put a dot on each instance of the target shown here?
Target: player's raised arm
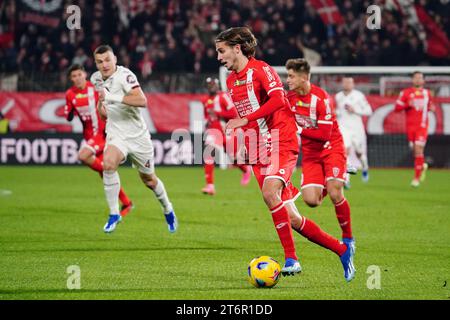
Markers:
(401, 103)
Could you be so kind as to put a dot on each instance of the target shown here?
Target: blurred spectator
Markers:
(156, 36)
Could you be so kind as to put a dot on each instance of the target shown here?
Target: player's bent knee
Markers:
(336, 196)
(312, 203)
(150, 180)
(296, 221)
(109, 165)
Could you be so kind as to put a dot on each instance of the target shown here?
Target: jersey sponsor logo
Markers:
(272, 84)
(81, 95)
(239, 83)
(269, 74)
(300, 103)
(131, 79)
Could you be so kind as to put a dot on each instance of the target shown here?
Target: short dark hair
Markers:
(73, 68)
(242, 36)
(416, 72)
(102, 49)
(299, 65)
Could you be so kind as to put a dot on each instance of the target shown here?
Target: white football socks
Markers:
(364, 162)
(161, 195)
(111, 184)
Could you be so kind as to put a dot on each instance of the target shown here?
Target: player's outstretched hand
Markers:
(236, 123)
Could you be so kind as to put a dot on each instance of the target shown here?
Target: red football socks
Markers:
(418, 166)
(209, 173)
(282, 223)
(97, 165)
(342, 209)
(311, 231)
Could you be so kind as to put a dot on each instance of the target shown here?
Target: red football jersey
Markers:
(416, 102)
(250, 89)
(218, 108)
(316, 117)
(83, 102)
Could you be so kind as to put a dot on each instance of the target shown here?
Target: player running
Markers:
(351, 106)
(81, 100)
(323, 153)
(120, 98)
(416, 102)
(258, 95)
(218, 108)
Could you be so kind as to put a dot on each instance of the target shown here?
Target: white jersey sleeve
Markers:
(128, 80)
(362, 106)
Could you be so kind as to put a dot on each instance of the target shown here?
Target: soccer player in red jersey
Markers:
(271, 141)
(416, 102)
(218, 108)
(323, 152)
(81, 99)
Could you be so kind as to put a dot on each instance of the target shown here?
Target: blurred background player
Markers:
(351, 106)
(416, 102)
(4, 124)
(218, 108)
(258, 95)
(81, 100)
(323, 153)
(120, 97)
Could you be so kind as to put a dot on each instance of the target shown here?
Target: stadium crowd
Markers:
(177, 36)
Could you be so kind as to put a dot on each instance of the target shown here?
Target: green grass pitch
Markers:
(54, 217)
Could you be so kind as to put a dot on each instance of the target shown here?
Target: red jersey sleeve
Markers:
(270, 82)
(431, 105)
(228, 111)
(402, 101)
(69, 108)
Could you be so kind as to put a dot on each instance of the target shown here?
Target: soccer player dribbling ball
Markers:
(257, 93)
(324, 160)
(218, 108)
(81, 100)
(120, 98)
(416, 102)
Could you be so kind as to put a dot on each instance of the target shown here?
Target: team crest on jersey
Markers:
(239, 82)
(131, 79)
(328, 117)
(335, 171)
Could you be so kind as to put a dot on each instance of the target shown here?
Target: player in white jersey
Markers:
(351, 106)
(120, 98)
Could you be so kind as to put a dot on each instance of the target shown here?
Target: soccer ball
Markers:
(264, 272)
